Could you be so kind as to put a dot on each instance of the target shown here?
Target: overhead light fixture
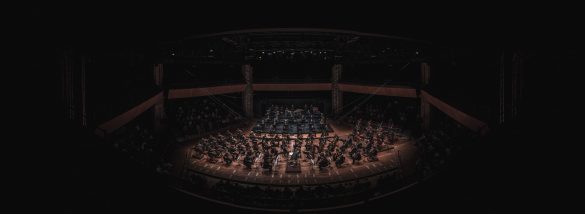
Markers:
(354, 39)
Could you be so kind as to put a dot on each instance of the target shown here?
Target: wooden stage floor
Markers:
(402, 156)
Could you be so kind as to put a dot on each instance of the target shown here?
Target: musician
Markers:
(339, 158)
(198, 151)
(309, 146)
(323, 161)
(267, 163)
(274, 150)
(248, 160)
(373, 154)
(212, 155)
(347, 143)
(285, 127)
(227, 158)
(296, 154)
(284, 149)
(331, 147)
(355, 155)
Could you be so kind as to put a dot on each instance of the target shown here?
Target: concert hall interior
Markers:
(308, 110)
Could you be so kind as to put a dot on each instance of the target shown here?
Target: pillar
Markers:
(248, 94)
(425, 108)
(158, 74)
(159, 115)
(510, 85)
(425, 69)
(425, 114)
(73, 86)
(159, 108)
(336, 94)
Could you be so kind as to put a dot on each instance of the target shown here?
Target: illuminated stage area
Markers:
(315, 168)
(298, 163)
(369, 150)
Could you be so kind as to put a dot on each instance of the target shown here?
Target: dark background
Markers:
(514, 167)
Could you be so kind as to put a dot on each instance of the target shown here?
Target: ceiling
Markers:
(294, 45)
(451, 25)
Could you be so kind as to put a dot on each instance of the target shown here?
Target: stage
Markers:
(401, 156)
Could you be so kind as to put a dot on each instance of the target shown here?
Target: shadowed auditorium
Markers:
(303, 115)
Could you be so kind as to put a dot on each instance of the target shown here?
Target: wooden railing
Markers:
(395, 91)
